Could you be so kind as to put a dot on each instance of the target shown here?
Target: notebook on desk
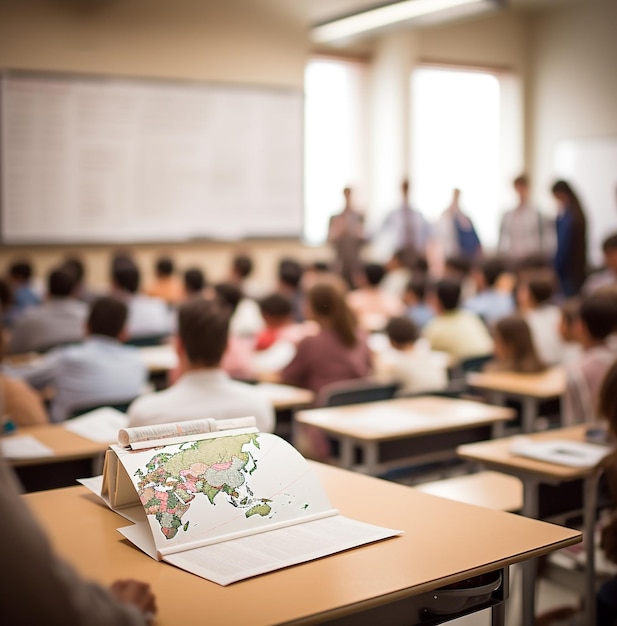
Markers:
(561, 451)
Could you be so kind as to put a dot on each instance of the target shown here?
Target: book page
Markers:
(205, 491)
(101, 425)
(24, 447)
(561, 452)
(230, 561)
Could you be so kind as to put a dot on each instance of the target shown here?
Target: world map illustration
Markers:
(170, 481)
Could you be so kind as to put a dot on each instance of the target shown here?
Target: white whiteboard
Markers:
(112, 160)
(590, 166)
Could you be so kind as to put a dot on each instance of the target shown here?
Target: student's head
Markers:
(521, 186)
(609, 248)
(164, 267)
(327, 305)
(420, 264)
(290, 273)
(570, 310)
(276, 309)
(20, 272)
(108, 317)
(194, 281)
(597, 318)
(536, 289)
(203, 327)
(60, 283)
(373, 274)
(402, 332)
(415, 291)
(125, 275)
(228, 296)
(514, 346)
(6, 296)
(241, 267)
(448, 294)
(457, 268)
(76, 267)
(607, 398)
(488, 272)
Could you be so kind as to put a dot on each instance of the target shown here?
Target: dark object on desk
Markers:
(464, 595)
(355, 392)
(123, 407)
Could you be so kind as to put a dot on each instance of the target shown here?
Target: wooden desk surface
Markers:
(286, 396)
(549, 384)
(496, 454)
(401, 417)
(67, 446)
(429, 555)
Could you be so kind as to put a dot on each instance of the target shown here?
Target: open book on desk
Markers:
(561, 451)
(225, 505)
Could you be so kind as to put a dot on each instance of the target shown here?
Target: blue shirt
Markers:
(420, 314)
(490, 305)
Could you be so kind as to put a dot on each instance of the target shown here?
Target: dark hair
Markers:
(121, 258)
(448, 293)
(610, 243)
(492, 269)
(60, 283)
(521, 180)
(320, 266)
(242, 265)
(203, 327)
(276, 305)
(6, 296)
(194, 280)
(417, 285)
(541, 286)
(107, 317)
(420, 264)
(290, 272)
(76, 267)
(125, 275)
(401, 330)
(374, 273)
(562, 187)
(459, 264)
(164, 266)
(570, 310)
(228, 295)
(537, 261)
(598, 314)
(328, 301)
(21, 270)
(515, 334)
(607, 398)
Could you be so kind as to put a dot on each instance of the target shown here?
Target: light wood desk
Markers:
(496, 455)
(382, 582)
(73, 457)
(405, 431)
(528, 389)
(284, 397)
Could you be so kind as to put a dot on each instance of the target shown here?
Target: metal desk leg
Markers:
(530, 509)
(371, 457)
(498, 612)
(529, 414)
(590, 498)
(347, 453)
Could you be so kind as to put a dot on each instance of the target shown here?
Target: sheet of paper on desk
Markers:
(101, 425)
(24, 447)
(562, 452)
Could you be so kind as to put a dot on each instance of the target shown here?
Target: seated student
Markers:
(418, 311)
(597, 320)
(147, 316)
(203, 390)
(277, 312)
(246, 320)
(59, 320)
(76, 267)
(166, 285)
(19, 403)
(534, 296)
(24, 294)
(239, 274)
(408, 364)
(489, 302)
(459, 268)
(607, 276)
(339, 351)
(44, 589)
(290, 274)
(101, 370)
(460, 333)
(397, 275)
(571, 349)
(370, 303)
(514, 349)
(194, 283)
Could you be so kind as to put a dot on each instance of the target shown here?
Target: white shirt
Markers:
(203, 394)
(544, 326)
(522, 233)
(59, 320)
(148, 316)
(100, 370)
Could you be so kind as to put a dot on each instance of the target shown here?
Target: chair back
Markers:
(147, 340)
(355, 392)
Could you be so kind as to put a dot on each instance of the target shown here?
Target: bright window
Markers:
(461, 138)
(334, 138)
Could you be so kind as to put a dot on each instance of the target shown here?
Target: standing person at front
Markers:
(455, 232)
(346, 235)
(571, 256)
